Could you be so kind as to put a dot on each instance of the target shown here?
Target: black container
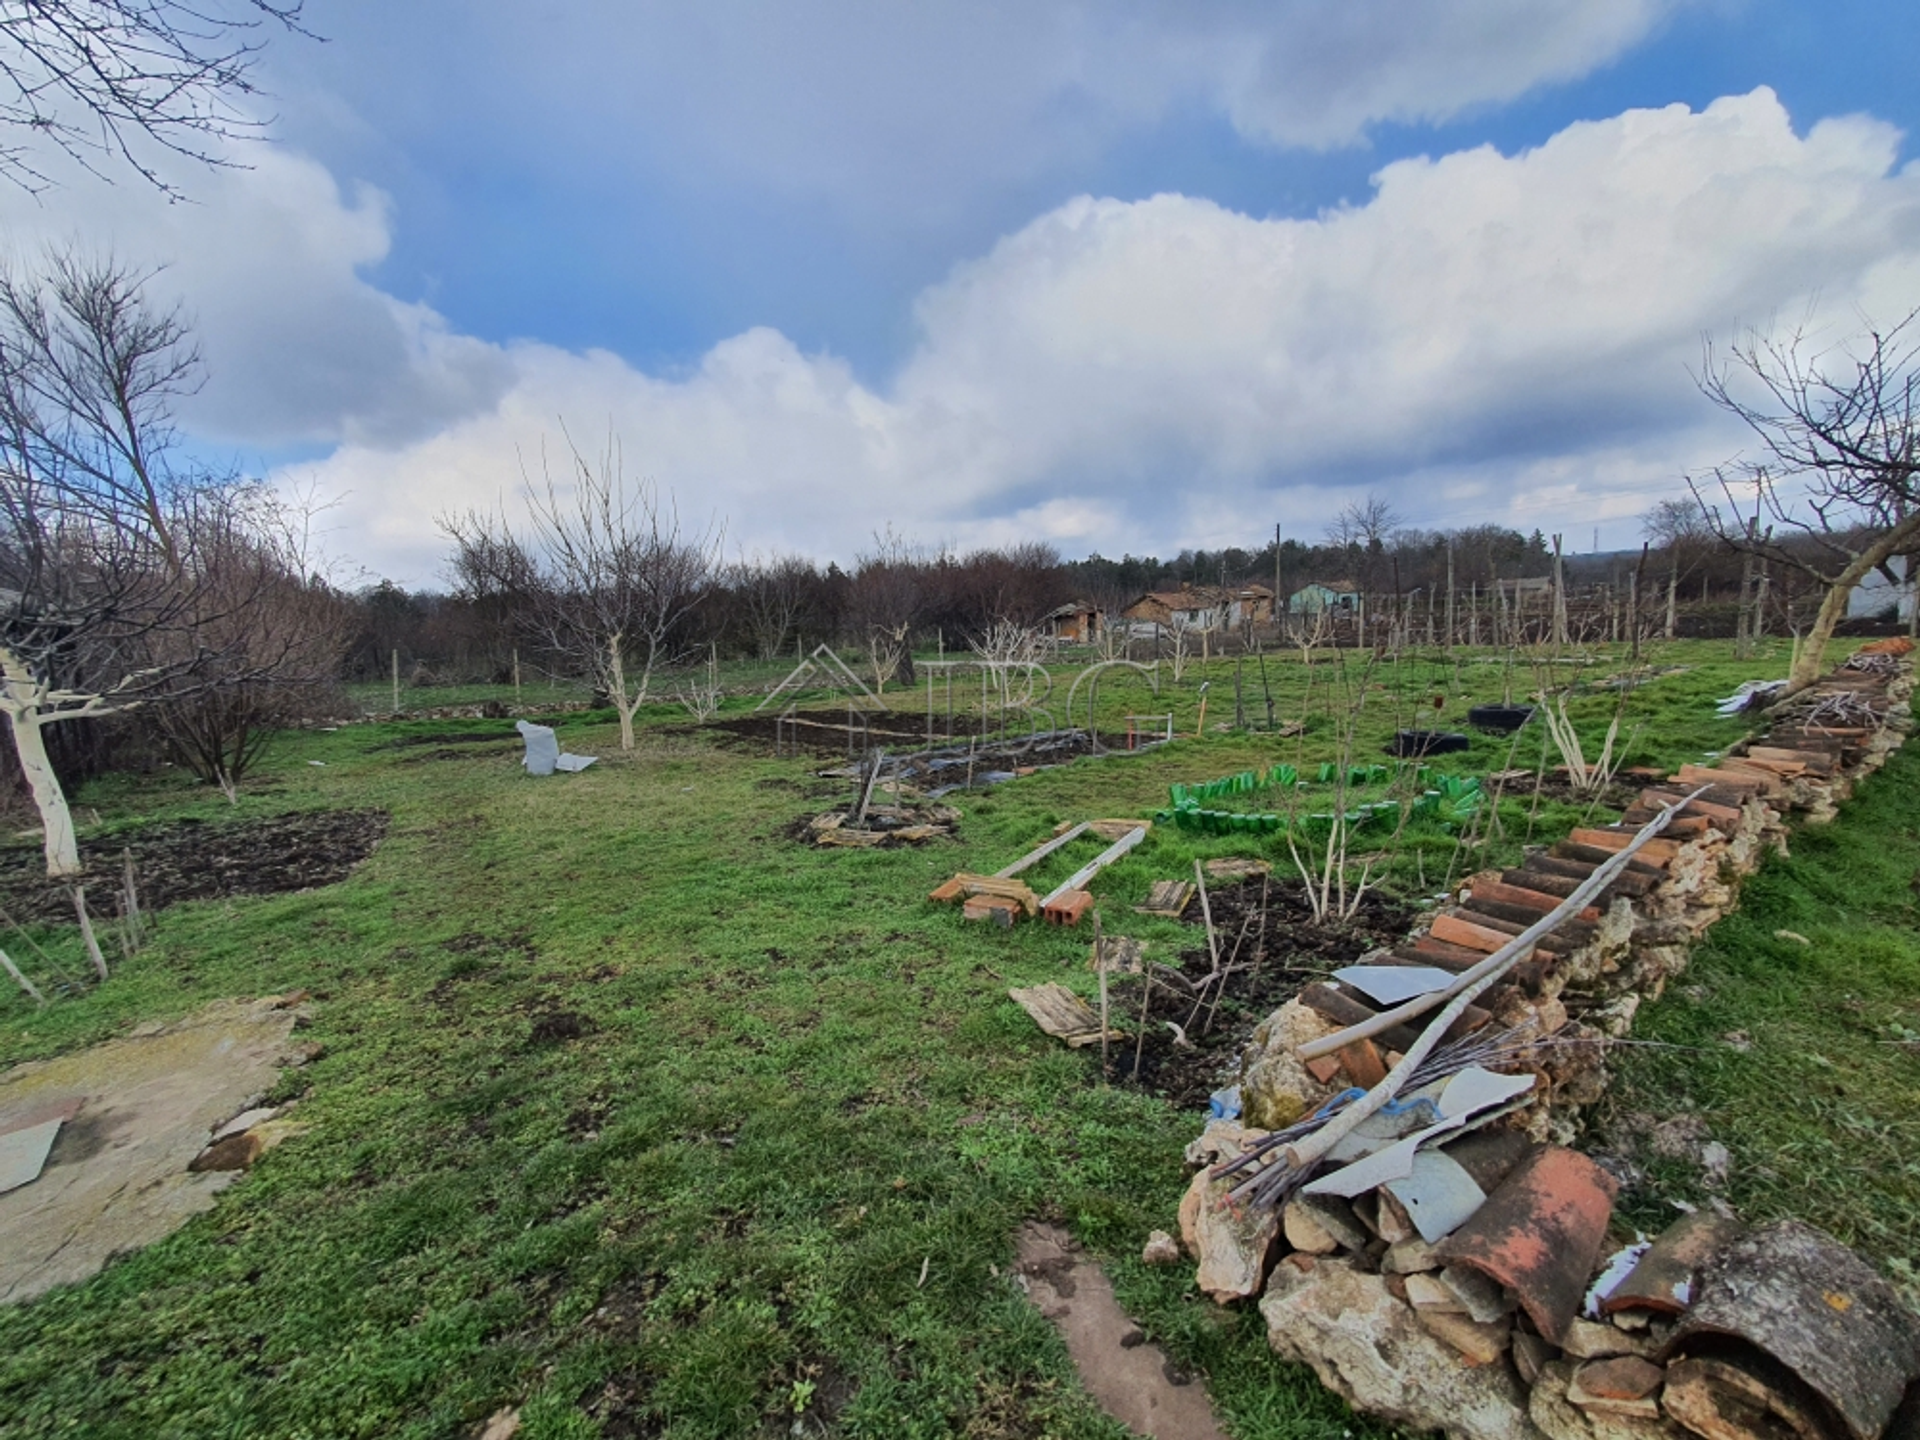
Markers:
(1505, 719)
(1408, 744)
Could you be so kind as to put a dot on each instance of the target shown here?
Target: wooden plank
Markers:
(1078, 880)
(1035, 856)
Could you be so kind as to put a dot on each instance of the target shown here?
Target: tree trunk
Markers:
(1833, 605)
(56, 820)
(618, 674)
(1673, 596)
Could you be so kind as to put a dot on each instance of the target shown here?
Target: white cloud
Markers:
(1490, 337)
(267, 262)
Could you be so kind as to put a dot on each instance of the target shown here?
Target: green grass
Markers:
(1804, 1060)
(799, 1083)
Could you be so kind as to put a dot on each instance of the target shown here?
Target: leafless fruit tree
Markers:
(92, 567)
(605, 577)
(1838, 476)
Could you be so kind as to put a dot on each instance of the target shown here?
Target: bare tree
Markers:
(1361, 530)
(885, 604)
(770, 593)
(605, 578)
(95, 78)
(1684, 530)
(91, 567)
(1838, 477)
(262, 632)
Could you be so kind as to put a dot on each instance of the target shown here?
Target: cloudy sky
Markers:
(1116, 275)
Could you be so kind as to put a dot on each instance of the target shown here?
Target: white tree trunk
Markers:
(616, 672)
(56, 820)
(1833, 606)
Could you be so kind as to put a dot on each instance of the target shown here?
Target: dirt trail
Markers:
(1132, 1380)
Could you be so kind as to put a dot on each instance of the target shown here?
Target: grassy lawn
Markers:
(794, 1087)
(1802, 1058)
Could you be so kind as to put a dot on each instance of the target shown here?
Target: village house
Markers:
(1076, 623)
(1203, 607)
(1317, 596)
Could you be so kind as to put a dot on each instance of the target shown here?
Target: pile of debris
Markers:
(1002, 899)
(911, 819)
(1402, 1192)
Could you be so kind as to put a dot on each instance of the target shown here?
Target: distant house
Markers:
(1316, 596)
(1077, 623)
(1210, 607)
(1519, 589)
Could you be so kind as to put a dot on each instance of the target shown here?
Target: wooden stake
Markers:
(396, 682)
(1206, 913)
(86, 932)
(6, 963)
(130, 901)
(1100, 969)
(1146, 999)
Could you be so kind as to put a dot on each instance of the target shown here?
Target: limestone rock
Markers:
(1589, 1340)
(1477, 1344)
(1409, 1257)
(1622, 1385)
(1275, 1088)
(1305, 1232)
(239, 1152)
(1368, 1348)
(1161, 1249)
(1558, 1418)
(1233, 1242)
(1221, 1140)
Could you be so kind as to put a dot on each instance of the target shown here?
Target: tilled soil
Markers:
(1273, 948)
(197, 860)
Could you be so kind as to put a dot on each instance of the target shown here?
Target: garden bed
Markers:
(196, 860)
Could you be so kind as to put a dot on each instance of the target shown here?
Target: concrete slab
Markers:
(116, 1176)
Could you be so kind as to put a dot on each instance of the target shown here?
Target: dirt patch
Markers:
(1132, 1379)
(195, 860)
(1266, 931)
(117, 1177)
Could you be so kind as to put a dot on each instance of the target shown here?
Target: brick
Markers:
(1069, 908)
(1324, 1069)
(1362, 1063)
(1000, 911)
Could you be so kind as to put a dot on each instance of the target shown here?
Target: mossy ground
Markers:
(641, 1116)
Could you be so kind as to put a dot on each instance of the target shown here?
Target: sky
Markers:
(1120, 277)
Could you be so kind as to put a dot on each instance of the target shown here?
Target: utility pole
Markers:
(1559, 596)
(1279, 595)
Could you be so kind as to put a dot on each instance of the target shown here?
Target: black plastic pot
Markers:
(1408, 744)
(1502, 718)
